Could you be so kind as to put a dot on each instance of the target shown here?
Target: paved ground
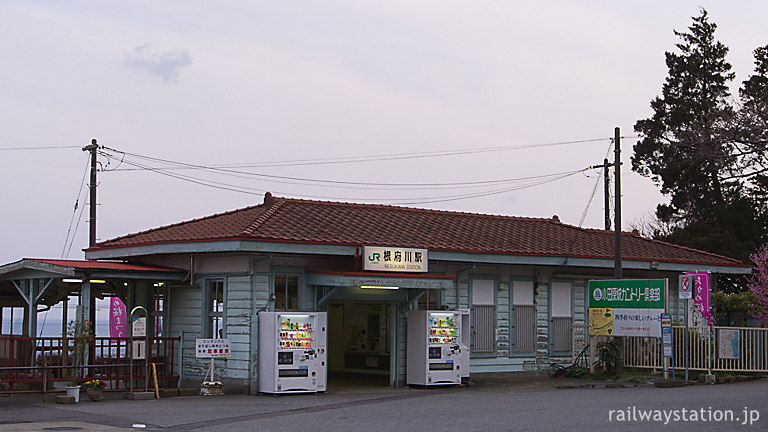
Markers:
(498, 402)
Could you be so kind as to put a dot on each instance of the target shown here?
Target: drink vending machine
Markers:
(292, 352)
(438, 347)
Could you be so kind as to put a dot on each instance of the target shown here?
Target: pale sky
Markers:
(236, 82)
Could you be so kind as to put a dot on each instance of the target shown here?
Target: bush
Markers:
(608, 353)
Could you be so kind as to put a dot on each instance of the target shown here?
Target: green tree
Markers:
(689, 147)
(751, 129)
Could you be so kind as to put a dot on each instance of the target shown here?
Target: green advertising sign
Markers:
(627, 294)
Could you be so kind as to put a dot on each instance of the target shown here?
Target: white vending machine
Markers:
(292, 352)
(438, 349)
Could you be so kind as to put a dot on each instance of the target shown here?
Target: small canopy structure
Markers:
(38, 284)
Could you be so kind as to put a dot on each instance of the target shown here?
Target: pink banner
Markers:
(117, 318)
(701, 298)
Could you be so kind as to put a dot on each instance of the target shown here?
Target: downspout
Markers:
(458, 272)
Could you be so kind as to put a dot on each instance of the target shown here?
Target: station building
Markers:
(523, 280)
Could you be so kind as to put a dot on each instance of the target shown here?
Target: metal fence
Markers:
(37, 363)
(737, 349)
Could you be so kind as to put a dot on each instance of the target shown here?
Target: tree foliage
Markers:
(706, 153)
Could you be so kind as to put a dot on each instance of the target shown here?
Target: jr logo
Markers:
(374, 257)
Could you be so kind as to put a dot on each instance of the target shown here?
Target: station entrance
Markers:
(361, 343)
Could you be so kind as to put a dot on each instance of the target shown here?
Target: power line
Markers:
(536, 180)
(74, 212)
(325, 182)
(374, 158)
(38, 148)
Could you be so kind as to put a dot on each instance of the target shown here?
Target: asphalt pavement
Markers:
(492, 402)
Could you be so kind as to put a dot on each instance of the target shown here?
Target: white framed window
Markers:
(286, 292)
(214, 308)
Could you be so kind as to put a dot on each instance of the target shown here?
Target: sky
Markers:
(497, 98)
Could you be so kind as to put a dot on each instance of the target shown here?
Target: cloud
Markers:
(166, 65)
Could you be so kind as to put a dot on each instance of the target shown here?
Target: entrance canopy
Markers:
(30, 283)
(376, 286)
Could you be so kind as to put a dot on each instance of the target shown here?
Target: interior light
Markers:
(294, 316)
(99, 281)
(379, 287)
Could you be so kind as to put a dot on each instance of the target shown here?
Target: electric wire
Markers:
(39, 148)
(259, 191)
(387, 157)
(74, 211)
(344, 184)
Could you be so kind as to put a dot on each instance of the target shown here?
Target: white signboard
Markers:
(685, 284)
(394, 259)
(213, 348)
(139, 350)
(637, 322)
(139, 328)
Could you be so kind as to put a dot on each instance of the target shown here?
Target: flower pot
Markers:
(94, 394)
(73, 391)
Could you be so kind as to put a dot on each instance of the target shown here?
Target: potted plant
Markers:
(79, 337)
(94, 389)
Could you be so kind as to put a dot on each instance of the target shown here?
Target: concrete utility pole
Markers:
(617, 203)
(607, 199)
(92, 221)
(617, 239)
(607, 178)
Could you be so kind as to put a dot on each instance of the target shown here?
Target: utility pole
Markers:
(617, 239)
(87, 300)
(607, 200)
(92, 221)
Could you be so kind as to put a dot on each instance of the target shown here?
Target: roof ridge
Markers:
(274, 205)
(419, 209)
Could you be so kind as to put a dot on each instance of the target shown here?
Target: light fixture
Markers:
(99, 281)
(379, 287)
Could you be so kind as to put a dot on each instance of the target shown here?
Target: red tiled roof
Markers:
(293, 220)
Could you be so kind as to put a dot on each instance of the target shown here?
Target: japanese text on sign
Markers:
(213, 348)
(395, 259)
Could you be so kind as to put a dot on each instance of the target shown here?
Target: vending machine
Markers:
(292, 352)
(438, 349)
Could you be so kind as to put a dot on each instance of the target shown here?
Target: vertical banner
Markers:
(701, 295)
(117, 318)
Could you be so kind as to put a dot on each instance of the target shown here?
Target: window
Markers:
(286, 292)
(215, 308)
(562, 321)
(159, 311)
(484, 313)
(430, 300)
(524, 313)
